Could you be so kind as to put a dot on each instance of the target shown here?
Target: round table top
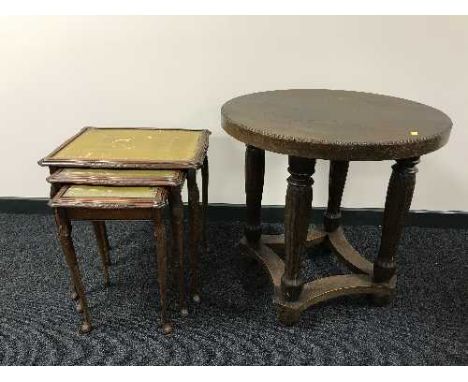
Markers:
(335, 124)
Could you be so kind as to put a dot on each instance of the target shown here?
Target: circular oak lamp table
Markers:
(339, 126)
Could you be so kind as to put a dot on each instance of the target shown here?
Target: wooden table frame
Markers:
(197, 212)
(339, 126)
(291, 294)
(129, 209)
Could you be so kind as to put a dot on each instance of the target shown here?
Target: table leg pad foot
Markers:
(184, 312)
(167, 328)
(85, 327)
(196, 298)
(79, 307)
(287, 316)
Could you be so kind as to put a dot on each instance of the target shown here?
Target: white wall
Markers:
(58, 74)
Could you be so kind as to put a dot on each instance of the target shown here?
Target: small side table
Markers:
(96, 203)
(171, 181)
(144, 149)
(339, 126)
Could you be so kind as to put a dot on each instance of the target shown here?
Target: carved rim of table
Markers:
(175, 180)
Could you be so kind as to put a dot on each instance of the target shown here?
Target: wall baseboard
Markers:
(274, 214)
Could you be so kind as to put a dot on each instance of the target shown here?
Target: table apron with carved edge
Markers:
(247, 119)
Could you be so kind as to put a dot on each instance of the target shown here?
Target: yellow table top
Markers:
(103, 172)
(184, 148)
(89, 192)
(109, 197)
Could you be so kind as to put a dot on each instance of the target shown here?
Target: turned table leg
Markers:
(336, 183)
(254, 177)
(399, 196)
(64, 234)
(205, 181)
(177, 223)
(161, 258)
(194, 225)
(296, 223)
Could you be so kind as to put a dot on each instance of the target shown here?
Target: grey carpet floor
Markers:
(235, 324)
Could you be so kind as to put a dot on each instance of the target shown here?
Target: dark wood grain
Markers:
(161, 260)
(296, 223)
(103, 249)
(336, 183)
(194, 233)
(65, 238)
(177, 222)
(205, 182)
(399, 195)
(335, 124)
(254, 177)
(102, 209)
(339, 126)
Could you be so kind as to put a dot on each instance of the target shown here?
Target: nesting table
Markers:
(97, 203)
(339, 126)
(128, 174)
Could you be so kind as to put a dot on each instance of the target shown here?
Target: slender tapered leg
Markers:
(336, 183)
(399, 196)
(177, 223)
(194, 223)
(105, 238)
(100, 232)
(296, 224)
(254, 178)
(54, 188)
(161, 258)
(205, 181)
(64, 234)
(102, 250)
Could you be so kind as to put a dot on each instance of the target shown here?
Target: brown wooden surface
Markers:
(65, 214)
(64, 229)
(336, 183)
(315, 291)
(161, 260)
(296, 222)
(103, 250)
(254, 178)
(177, 224)
(399, 195)
(335, 124)
(195, 223)
(339, 126)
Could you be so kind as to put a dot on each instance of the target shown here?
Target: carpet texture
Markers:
(235, 324)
